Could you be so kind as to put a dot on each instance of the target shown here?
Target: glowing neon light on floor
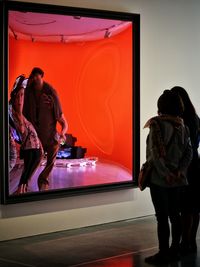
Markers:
(68, 163)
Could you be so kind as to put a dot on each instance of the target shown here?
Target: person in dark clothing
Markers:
(169, 152)
(43, 109)
(190, 198)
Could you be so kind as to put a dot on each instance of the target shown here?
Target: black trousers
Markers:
(166, 202)
(32, 158)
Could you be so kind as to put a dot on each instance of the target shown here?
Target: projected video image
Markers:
(70, 102)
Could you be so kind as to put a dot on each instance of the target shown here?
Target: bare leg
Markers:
(44, 175)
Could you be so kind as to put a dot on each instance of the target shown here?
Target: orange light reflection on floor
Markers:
(124, 261)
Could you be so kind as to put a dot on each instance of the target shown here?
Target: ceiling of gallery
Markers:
(41, 27)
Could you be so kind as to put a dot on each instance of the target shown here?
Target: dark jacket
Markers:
(43, 115)
(194, 168)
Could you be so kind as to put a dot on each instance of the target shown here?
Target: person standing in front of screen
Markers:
(190, 198)
(43, 109)
(169, 151)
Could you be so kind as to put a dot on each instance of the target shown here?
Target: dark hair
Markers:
(14, 94)
(18, 85)
(36, 71)
(189, 110)
(170, 103)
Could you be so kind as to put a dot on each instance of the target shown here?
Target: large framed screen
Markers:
(70, 101)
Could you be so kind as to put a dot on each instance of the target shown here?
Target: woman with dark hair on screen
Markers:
(190, 199)
(31, 145)
(169, 152)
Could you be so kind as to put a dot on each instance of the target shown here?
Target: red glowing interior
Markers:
(94, 83)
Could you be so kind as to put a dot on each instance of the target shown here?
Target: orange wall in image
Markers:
(94, 84)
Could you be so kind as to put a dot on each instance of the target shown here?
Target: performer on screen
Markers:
(43, 109)
(30, 143)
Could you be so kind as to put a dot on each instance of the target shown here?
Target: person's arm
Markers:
(154, 157)
(187, 154)
(59, 115)
(13, 153)
(160, 164)
(20, 121)
(64, 126)
(26, 107)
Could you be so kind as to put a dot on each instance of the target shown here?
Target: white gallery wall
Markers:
(170, 55)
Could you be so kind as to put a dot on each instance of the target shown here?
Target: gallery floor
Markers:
(102, 172)
(120, 244)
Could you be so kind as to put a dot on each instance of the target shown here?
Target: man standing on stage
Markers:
(43, 109)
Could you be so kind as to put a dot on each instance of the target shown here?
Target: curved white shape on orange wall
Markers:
(98, 84)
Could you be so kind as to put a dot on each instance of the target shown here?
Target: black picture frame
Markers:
(5, 6)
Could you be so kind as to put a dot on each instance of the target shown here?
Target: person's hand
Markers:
(62, 138)
(179, 176)
(171, 178)
(174, 177)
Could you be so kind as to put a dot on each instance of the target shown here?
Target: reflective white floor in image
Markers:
(103, 172)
